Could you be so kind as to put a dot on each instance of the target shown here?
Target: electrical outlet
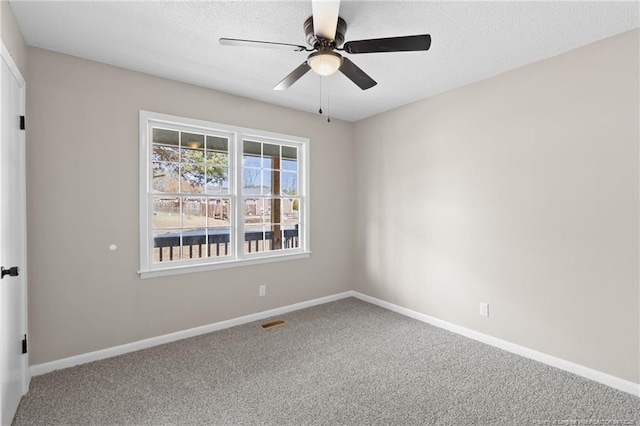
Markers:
(262, 290)
(484, 309)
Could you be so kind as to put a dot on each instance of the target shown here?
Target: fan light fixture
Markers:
(324, 62)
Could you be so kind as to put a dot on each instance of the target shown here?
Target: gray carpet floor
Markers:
(342, 363)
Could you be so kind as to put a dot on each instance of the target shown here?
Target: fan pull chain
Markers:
(320, 110)
(328, 103)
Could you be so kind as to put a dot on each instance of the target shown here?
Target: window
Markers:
(214, 196)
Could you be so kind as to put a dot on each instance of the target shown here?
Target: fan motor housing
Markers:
(314, 41)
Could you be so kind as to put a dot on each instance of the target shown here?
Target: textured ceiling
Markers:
(179, 40)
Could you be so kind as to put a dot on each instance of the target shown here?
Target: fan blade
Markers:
(293, 76)
(256, 43)
(355, 74)
(390, 44)
(325, 18)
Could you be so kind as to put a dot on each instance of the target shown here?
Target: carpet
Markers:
(342, 363)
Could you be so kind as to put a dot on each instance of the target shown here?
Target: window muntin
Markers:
(217, 195)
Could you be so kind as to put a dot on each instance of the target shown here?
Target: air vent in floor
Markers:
(272, 324)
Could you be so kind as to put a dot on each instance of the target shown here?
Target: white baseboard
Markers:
(589, 373)
(580, 370)
(47, 367)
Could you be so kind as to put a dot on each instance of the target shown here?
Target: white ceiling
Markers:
(179, 40)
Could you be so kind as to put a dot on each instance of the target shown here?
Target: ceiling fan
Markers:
(325, 32)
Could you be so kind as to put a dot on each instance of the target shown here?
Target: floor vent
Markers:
(272, 324)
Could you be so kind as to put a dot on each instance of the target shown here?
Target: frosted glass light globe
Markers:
(324, 63)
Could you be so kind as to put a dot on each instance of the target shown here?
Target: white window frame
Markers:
(236, 135)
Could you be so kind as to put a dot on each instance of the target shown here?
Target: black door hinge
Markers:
(22, 122)
(24, 344)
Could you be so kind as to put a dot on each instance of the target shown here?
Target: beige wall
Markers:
(12, 37)
(520, 191)
(83, 196)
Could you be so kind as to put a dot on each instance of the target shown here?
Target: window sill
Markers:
(188, 269)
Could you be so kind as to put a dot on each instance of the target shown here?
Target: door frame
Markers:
(5, 55)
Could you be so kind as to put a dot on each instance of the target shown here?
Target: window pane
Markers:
(219, 242)
(289, 158)
(251, 161)
(165, 177)
(289, 183)
(254, 239)
(254, 211)
(217, 159)
(193, 178)
(289, 165)
(194, 243)
(166, 212)
(166, 245)
(192, 140)
(273, 237)
(252, 148)
(217, 180)
(251, 182)
(218, 210)
(252, 152)
(290, 238)
(270, 150)
(270, 179)
(290, 211)
(271, 163)
(189, 155)
(250, 207)
(217, 144)
(166, 137)
(194, 212)
(272, 210)
(165, 153)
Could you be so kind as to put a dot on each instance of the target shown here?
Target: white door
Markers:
(13, 363)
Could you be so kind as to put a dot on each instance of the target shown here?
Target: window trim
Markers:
(149, 269)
